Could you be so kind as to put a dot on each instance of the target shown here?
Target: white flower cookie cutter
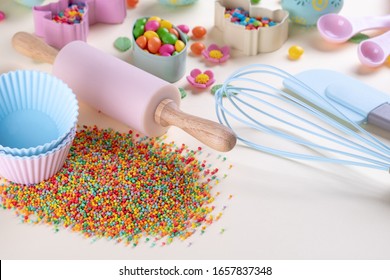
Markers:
(251, 42)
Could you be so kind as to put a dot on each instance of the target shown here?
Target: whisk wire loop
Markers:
(242, 91)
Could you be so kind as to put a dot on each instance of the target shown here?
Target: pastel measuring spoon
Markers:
(338, 29)
(374, 52)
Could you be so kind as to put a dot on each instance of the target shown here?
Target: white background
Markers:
(281, 209)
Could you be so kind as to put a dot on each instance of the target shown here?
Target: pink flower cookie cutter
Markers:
(96, 11)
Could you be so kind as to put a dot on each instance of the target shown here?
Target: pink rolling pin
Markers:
(140, 100)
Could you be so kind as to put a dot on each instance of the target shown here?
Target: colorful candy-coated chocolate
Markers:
(199, 32)
(149, 34)
(122, 44)
(165, 23)
(183, 28)
(197, 48)
(174, 32)
(179, 45)
(138, 30)
(169, 38)
(141, 41)
(152, 25)
(132, 3)
(141, 21)
(161, 31)
(166, 49)
(156, 18)
(295, 52)
(154, 44)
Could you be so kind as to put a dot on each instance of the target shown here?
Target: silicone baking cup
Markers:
(37, 112)
(34, 169)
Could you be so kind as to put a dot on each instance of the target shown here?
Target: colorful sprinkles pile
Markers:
(71, 15)
(123, 187)
(241, 17)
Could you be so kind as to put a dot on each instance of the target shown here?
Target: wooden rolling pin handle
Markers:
(33, 47)
(212, 134)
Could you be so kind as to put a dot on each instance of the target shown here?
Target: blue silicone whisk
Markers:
(264, 116)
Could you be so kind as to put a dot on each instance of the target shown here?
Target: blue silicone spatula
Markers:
(355, 100)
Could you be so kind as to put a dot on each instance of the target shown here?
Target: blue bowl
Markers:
(37, 112)
(307, 12)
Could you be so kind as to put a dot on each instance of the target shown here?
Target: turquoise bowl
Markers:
(307, 12)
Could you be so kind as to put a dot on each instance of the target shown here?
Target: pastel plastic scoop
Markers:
(374, 52)
(142, 101)
(336, 28)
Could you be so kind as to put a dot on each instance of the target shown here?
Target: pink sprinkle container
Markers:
(96, 11)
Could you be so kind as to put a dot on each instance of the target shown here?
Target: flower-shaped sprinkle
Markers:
(201, 80)
(216, 54)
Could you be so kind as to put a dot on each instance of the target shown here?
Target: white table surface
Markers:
(281, 208)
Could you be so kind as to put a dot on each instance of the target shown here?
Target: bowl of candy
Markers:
(160, 48)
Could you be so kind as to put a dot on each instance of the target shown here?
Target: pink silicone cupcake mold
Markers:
(59, 34)
(34, 169)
